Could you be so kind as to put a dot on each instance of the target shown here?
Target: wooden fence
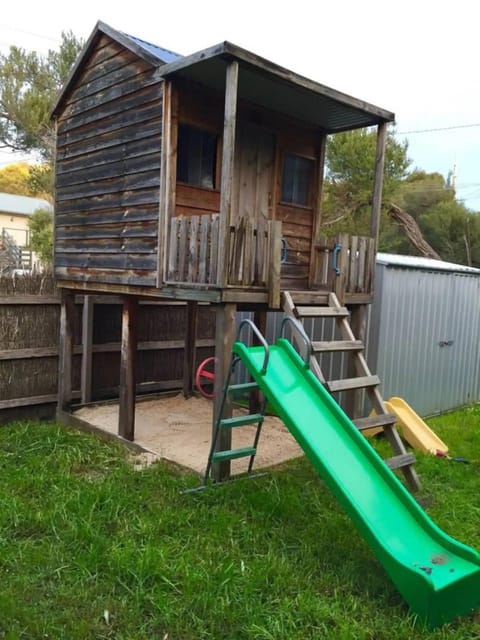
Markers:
(29, 336)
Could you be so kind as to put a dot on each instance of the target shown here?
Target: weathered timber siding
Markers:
(108, 171)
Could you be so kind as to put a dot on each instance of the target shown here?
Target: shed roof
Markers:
(418, 262)
(21, 205)
(261, 82)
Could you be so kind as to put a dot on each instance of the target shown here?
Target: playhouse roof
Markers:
(261, 82)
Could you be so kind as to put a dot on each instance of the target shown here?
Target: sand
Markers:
(179, 430)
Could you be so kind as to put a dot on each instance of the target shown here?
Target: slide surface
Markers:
(414, 430)
(438, 576)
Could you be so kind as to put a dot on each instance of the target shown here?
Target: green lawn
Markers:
(92, 548)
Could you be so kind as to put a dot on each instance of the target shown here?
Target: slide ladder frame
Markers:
(363, 378)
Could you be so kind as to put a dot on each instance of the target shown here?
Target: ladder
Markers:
(257, 418)
(362, 379)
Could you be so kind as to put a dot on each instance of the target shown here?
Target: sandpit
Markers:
(179, 430)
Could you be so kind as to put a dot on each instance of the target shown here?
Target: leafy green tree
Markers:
(29, 84)
(350, 160)
(40, 225)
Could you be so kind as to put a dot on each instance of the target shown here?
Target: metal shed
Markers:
(424, 332)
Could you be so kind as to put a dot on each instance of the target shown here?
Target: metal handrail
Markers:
(298, 326)
(256, 331)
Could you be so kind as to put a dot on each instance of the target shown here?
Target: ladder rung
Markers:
(402, 460)
(245, 386)
(232, 454)
(353, 383)
(240, 421)
(322, 312)
(371, 422)
(337, 345)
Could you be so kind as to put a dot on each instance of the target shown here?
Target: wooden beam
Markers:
(228, 154)
(126, 418)
(378, 181)
(275, 250)
(189, 351)
(317, 211)
(67, 316)
(358, 323)
(260, 320)
(225, 329)
(168, 175)
(87, 344)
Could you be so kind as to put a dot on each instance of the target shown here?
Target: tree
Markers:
(40, 225)
(29, 84)
(14, 179)
(24, 179)
(350, 160)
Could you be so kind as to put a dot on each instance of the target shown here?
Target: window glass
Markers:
(297, 179)
(197, 152)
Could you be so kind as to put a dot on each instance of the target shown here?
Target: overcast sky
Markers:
(417, 59)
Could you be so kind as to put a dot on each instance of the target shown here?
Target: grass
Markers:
(92, 548)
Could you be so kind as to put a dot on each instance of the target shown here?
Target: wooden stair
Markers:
(362, 377)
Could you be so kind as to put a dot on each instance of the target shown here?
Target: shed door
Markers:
(255, 160)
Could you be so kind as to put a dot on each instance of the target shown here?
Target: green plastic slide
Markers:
(437, 576)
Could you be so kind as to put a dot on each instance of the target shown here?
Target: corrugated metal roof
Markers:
(162, 54)
(21, 205)
(417, 262)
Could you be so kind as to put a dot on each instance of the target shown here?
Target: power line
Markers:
(29, 33)
(450, 128)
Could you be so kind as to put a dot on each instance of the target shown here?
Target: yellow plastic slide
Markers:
(413, 428)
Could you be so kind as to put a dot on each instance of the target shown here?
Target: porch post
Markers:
(228, 154)
(378, 181)
(317, 212)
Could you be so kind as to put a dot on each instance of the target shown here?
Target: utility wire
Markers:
(29, 33)
(455, 126)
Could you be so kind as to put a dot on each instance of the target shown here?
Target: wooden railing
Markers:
(345, 265)
(252, 251)
(193, 249)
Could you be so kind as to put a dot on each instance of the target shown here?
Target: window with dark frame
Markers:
(297, 179)
(196, 156)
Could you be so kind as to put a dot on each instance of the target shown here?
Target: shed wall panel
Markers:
(108, 171)
(424, 337)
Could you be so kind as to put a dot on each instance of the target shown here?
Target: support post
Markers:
(225, 329)
(168, 175)
(358, 323)
(317, 212)
(228, 154)
(87, 343)
(126, 416)
(260, 320)
(378, 181)
(65, 361)
(189, 351)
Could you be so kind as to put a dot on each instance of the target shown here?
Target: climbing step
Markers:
(337, 345)
(322, 312)
(372, 422)
(240, 421)
(353, 383)
(402, 460)
(233, 454)
(243, 387)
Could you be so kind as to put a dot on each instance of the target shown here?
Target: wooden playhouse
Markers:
(199, 179)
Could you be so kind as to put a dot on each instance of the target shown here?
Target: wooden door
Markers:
(254, 174)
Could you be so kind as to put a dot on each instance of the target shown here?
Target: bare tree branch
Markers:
(412, 231)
